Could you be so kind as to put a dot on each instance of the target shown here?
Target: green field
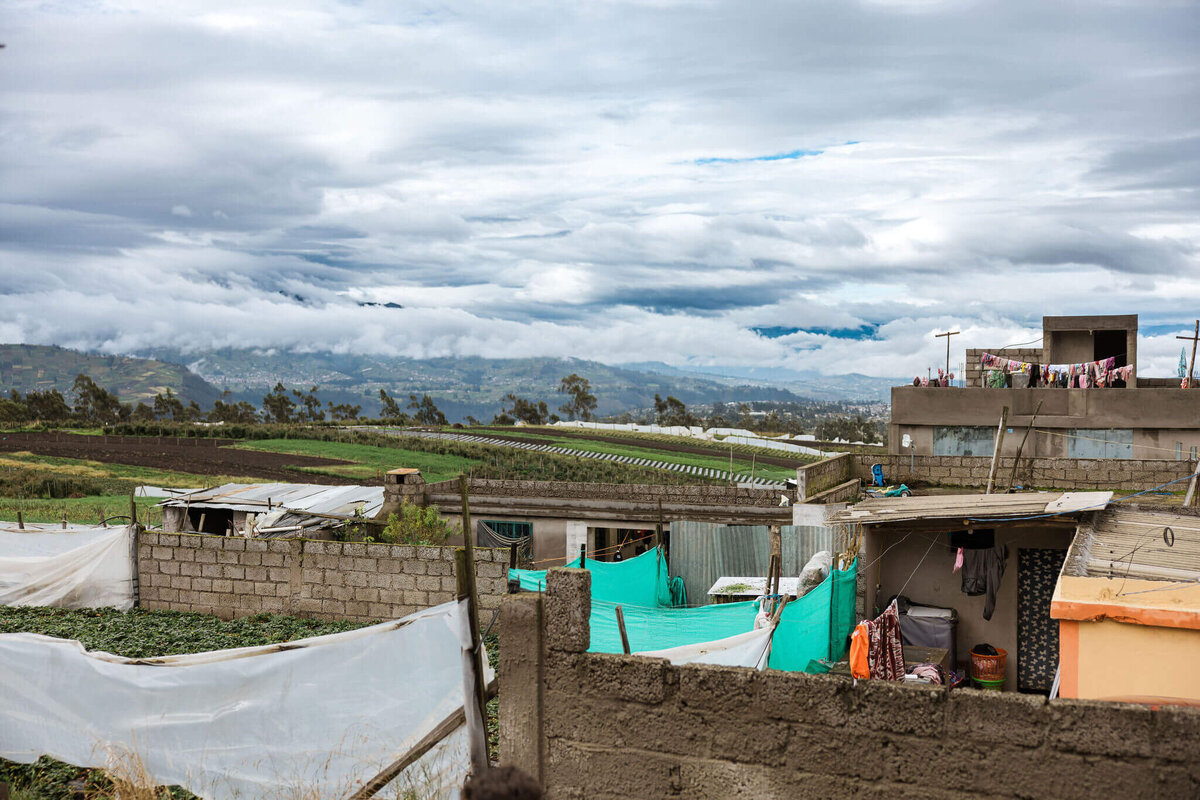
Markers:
(121, 476)
(369, 461)
(742, 463)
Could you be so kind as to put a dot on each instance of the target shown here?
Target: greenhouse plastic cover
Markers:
(812, 627)
(750, 649)
(78, 568)
(316, 717)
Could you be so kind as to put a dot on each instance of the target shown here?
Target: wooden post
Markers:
(64, 520)
(997, 443)
(621, 628)
(132, 510)
(1012, 476)
(512, 556)
(730, 465)
(472, 597)
(464, 574)
(1192, 364)
(947, 334)
(1191, 492)
(20, 521)
(583, 556)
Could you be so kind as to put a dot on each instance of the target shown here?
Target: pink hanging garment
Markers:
(958, 561)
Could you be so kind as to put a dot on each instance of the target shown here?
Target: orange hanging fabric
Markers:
(860, 644)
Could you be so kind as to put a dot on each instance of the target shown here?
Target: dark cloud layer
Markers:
(625, 181)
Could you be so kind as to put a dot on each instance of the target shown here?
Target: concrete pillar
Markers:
(532, 626)
(520, 676)
(568, 610)
(577, 534)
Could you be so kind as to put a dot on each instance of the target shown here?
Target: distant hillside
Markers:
(27, 367)
(465, 386)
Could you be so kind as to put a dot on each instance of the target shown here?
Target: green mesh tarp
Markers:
(662, 628)
(813, 627)
(816, 626)
(638, 581)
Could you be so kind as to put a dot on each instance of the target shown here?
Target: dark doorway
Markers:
(1037, 633)
(1111, 344)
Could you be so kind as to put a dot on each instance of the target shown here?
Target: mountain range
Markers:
(460, 386)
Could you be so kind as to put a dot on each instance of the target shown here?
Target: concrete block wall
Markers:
(1041, 473)
(607, 726)
(235, 577)
(812, 479)
(1032, 355)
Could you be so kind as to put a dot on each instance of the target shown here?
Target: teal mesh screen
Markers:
(811, 628)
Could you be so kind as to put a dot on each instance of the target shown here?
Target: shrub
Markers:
(417, 525)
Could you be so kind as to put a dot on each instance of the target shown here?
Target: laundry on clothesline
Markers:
(1089, 374)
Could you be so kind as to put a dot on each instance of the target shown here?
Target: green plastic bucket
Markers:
(990, 686)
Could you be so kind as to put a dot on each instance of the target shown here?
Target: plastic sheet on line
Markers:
(88, 568)
(315, 717)
(750, 649)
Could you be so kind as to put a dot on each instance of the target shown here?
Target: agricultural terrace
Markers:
(764, 462)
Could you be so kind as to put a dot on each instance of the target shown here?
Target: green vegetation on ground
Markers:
(369, 461)
(116, 477)
(383, 452)
(88, 510)
(136, 634)
(143, 634)
(745, 457)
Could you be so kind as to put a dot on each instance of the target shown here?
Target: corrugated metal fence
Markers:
(701, 552)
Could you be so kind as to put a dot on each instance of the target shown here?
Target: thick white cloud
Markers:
(622, 181)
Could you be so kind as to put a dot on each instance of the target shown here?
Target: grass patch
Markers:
(88, 510)
(369, 461)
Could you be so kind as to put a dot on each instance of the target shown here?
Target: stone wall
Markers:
(609, 726)
(1032, 355)
(236, 577)
(1042, 473)
(446, 492)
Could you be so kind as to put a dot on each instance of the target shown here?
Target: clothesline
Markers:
(1083, 375)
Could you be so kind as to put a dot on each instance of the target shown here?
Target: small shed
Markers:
(278, 509)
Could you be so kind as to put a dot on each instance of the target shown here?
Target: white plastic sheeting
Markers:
(77, 568)
(750, 649)
(313, 718)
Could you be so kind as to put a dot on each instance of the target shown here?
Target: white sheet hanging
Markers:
(313, 718)
(750, 649)
(78, 568)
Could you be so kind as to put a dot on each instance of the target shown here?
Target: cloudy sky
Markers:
(816, 185)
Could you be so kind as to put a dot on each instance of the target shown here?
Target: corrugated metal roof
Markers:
(285, 504)
(882, 510)
(1133, 543)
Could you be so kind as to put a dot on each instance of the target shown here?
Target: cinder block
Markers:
(256, 546)
(234, 572)
(1098, 728)
(161, 553)
(222, 586)
(272, 559)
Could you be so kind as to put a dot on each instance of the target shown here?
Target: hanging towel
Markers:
(958, 561)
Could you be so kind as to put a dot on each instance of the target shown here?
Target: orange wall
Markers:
(1109, 660)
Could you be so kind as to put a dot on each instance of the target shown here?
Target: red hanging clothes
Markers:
(885, 653)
